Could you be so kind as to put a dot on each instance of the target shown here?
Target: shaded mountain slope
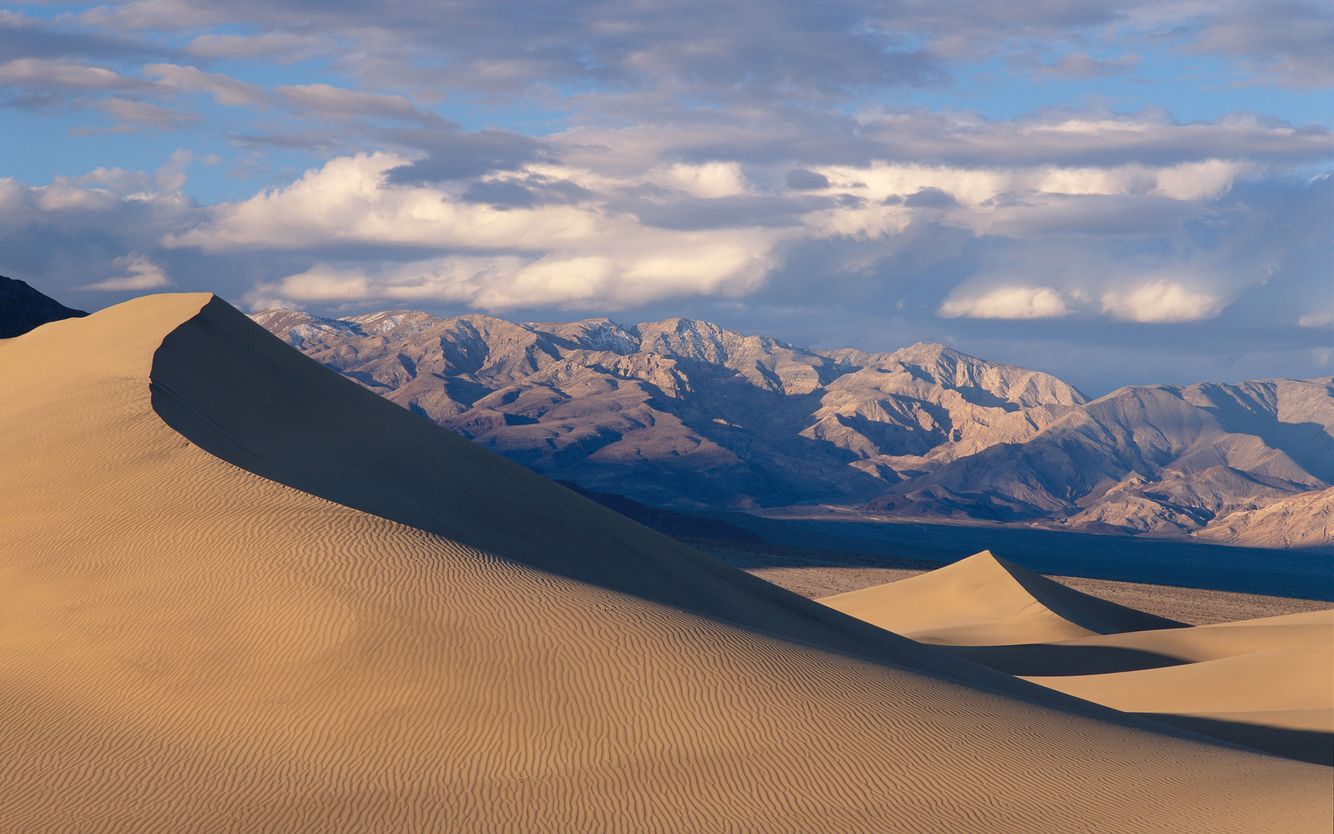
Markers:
(22, 308)
(1142, 459)
(223, 613)
(1302, 520)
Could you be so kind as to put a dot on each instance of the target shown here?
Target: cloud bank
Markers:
(833, 173)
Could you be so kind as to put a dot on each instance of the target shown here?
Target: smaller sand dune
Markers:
(1222, 640)
(1267, 684)
(1264, 683)
(1139, 650)
(984, 600)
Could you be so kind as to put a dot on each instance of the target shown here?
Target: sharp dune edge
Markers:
(1266, 683)
(228, 608)
(985, 600)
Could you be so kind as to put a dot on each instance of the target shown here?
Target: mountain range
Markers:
(687, 414)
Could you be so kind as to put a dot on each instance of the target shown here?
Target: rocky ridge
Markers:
(688, 414)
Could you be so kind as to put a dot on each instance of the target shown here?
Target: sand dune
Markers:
(1265, 683)
(242, 594)
(1222, 640)
(985, 600)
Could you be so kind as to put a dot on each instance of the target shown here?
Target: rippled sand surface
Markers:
(242, 594)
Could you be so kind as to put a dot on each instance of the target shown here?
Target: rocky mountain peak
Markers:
(689, 339)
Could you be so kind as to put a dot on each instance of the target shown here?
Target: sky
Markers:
(1117, 193)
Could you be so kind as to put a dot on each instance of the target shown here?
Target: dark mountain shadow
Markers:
(23, 308)
(794, 469)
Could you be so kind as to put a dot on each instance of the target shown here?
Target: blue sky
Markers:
(1114, 192)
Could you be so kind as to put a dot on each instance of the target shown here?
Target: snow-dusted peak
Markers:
(389, 321)
(598, 333)
(298, 328)
(700, 340)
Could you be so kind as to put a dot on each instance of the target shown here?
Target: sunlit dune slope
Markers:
(985, 600)
(260, 598)
(1266, 683)
(1136, 650)
(1219, 640)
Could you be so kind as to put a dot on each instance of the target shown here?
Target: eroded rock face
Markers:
(1145, 459)
(687, 413)
(1305, 519)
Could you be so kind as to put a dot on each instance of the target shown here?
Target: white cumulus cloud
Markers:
(1160, 300)
(547, 254)
(712, 179)
(349, 200)
(140, 273)
(1006, 303)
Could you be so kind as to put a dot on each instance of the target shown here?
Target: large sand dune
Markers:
(242, 594)
(985, 600)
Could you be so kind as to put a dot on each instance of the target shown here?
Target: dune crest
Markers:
(1266, 683)
(230, 605)
(985, 600)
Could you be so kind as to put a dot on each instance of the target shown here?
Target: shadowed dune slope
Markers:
(393, 631)
(1266, 683)
(984, 600)
(1221, 640)
(235, 391)
(1133, 651)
